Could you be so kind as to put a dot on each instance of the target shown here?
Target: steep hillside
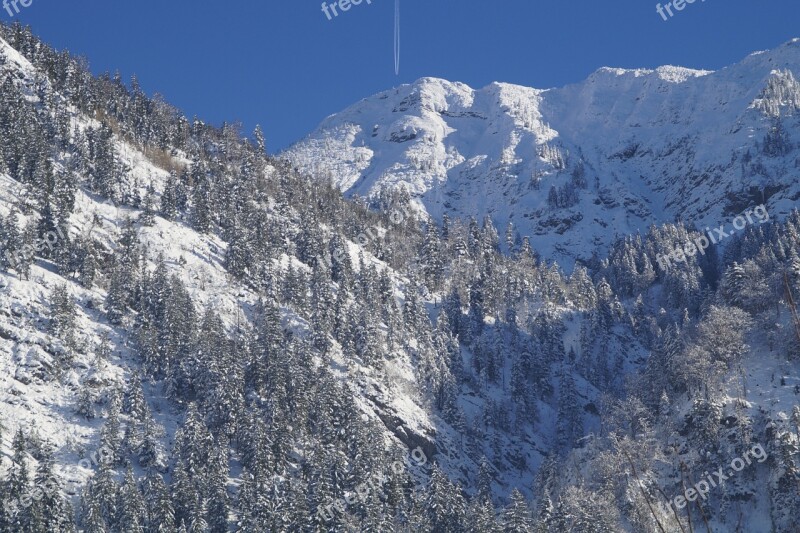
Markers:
(127, 248)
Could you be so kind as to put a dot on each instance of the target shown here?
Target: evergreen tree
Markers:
(85, 402)
(517, 516)
(444, 504)
(160, 515)
(131, 505)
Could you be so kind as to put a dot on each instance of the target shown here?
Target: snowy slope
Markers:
(658, 144)
(651, 146)
(33, 398)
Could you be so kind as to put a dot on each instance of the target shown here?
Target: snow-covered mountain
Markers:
(58, 388)
(577, 166)
(196, 337)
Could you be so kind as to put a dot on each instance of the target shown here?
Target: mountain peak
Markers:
(506, 150)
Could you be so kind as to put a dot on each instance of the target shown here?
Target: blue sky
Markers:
(283, 64)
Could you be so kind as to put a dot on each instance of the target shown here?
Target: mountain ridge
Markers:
(641, 136)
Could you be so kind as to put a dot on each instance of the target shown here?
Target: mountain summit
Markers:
(578, 166)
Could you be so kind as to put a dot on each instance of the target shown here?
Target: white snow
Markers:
(463, 151)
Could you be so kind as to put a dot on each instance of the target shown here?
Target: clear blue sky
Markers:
(283, 64)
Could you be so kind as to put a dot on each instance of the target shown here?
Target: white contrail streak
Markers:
(396, 37)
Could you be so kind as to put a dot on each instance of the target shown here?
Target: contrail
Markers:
(396, 37)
